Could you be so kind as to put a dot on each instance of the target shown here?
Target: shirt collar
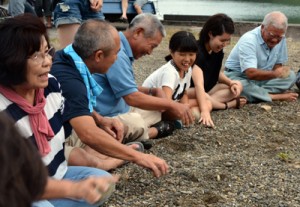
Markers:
(126, 46)
(259, 36)
(260, 39)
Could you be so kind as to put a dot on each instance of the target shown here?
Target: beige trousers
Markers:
(136, 123)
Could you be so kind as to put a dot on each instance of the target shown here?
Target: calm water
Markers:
(239, 10)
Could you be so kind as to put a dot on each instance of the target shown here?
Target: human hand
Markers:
(285, 72)
(282, 71)
(158, 166)
(94, 189)
(114, 127)
(206, 120)
(183, 112)
(236, 87)
(96, 5)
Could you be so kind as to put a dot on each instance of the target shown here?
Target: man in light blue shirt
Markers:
(257, 60)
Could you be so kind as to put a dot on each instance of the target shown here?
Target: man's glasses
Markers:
(273, 36)
(39, 57)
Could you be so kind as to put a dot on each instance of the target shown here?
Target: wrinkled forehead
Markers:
(273, 29)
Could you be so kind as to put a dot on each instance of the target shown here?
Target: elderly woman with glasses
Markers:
(258, 61)
(32, 98)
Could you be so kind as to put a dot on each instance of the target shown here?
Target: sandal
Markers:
(147, 144)
(140, 147)
(164, 128)
(123, 20)
(238, 102)
(226, 105)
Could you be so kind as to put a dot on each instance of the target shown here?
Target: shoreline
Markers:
(240, 26)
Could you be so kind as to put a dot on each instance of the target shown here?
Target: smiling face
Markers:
(183, 60)
(217, 43)
(144, 45)
(38, 68)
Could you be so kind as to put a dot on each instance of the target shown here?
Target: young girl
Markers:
(174, 77)
(223, 92)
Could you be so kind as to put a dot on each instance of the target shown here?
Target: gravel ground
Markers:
(250, 159)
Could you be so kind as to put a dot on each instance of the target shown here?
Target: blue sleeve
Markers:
(248, 52)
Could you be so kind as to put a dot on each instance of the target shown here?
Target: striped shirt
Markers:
(55, 160)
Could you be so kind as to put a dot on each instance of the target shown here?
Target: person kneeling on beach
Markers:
(257, 60)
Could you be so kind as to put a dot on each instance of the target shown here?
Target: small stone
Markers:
(228, 164)
(266, 107)
(186, 192)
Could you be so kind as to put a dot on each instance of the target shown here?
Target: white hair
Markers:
(276, 19)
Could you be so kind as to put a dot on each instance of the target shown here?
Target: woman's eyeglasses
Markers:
(39, 57)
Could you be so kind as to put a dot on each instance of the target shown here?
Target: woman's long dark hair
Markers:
(217, 25)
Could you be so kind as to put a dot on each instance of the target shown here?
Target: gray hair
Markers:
(93, 35)
(276, 19)
(149, 22)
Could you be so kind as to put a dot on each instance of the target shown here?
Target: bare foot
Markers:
(110, 163)
(101, 161)
(289, 96)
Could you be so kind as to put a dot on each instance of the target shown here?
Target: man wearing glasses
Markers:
(258, 59)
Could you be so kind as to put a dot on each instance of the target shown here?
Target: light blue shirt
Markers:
(119, 81)
(252, 52)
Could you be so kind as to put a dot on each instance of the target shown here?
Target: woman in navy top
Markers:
(222, 92)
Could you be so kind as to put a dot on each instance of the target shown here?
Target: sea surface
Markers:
(252, 10)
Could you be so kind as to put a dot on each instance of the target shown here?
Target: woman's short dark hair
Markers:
(23, 175)
(20, 37)
(182, 41)
(217, 25)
